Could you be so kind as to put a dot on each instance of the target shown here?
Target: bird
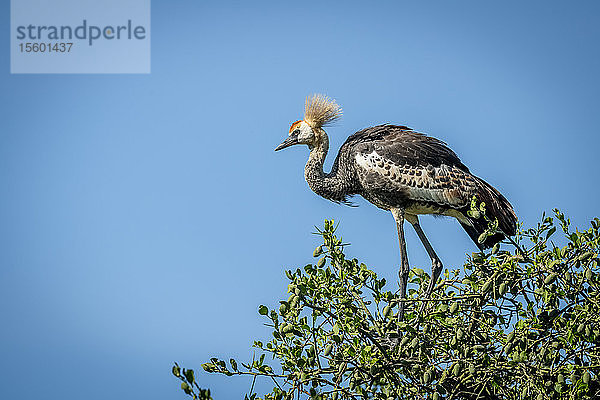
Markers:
(401, 171)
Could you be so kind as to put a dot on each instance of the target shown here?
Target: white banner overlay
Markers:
(80, 36)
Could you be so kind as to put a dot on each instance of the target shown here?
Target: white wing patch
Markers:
(443, 185)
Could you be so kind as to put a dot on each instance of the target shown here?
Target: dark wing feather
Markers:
(402, 146)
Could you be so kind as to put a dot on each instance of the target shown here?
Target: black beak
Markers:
(290, 141)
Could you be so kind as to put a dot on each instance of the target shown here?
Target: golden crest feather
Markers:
(320, 110)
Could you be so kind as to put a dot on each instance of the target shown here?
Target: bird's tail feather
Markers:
(496, 207)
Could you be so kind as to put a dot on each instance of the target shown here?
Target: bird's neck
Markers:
(331, 185)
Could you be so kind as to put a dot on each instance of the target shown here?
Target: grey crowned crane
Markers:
(402, 171)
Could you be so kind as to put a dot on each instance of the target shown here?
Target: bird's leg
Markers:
(436, 264)
(404, 268)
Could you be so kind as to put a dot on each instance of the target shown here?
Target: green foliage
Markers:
(509, 325)
(189, 384)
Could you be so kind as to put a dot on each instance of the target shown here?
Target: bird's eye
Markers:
(296, 132)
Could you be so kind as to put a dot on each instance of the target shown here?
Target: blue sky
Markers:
(144, 218)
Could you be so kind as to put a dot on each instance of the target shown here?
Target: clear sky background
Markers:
(143, 218)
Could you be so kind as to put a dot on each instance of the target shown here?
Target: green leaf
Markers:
(585, 256)
(404, 341)
(550, 232)
(283, 309)
(208, 367)
(387, 311)
(474, 214)
(453, 307)
(483, 237)
(414, 343)
(496, 248)
(456, 369)
(189, 375)
(426, 377)
(263, 310)
(479, 347)
(318, 251)
(510, 337)
(550, 279)
(487, 285)
(503, 288)
(588, 274)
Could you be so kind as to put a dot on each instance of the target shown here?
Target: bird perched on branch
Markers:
(400, 170)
